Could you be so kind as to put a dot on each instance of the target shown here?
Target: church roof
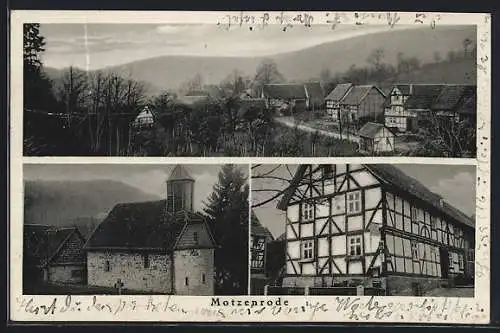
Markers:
(141, 226)
(179, 173)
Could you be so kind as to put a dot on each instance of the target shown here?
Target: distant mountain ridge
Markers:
(64, 203)
(169, 72)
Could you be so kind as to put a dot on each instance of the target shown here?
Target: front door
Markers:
(445, 262)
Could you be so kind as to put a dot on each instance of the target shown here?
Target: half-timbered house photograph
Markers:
(369, 229)
(245, 90)
(135, 229)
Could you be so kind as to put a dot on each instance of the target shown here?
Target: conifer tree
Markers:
(227, 213)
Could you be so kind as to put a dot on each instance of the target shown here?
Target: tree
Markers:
(72, 91)
(466, 43)
(234, 83)
(37, 87)
(227, 214)
(267, 73)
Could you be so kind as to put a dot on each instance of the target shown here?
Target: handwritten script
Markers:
(287, 21)
(218, 308)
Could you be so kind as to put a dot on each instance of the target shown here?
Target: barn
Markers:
(375, 226)
(159, 246)
(376, 138)
(53, 255)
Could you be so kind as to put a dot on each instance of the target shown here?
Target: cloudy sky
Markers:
(455, 183)
(93, 46)
(149, 178)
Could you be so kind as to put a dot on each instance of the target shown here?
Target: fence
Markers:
(318, 291)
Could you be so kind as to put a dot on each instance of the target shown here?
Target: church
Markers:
(373, 225)
(157, 246)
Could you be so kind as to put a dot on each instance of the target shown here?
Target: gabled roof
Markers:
(285, 91)
(43, 242)
(389, 174)
(315, 91)
(141, 226)
(257, 229)
(339, 92)
(356, 95)
(423, 96)
(451, 96)
(369, 130)
(179, 173)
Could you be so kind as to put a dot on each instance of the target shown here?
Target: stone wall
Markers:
(326, 281)
(129, 267)
(402, 285)
(194, 272)
(64, 274)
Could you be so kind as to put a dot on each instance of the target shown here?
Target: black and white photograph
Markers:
(273, 91)
(135, 229)
(367, 229)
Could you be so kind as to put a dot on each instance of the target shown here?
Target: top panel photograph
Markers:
(207, 90)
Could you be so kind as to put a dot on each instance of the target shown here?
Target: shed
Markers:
(376, 138)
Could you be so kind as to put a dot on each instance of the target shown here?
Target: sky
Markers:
(149, 178)
(95, 46)
(455, 183)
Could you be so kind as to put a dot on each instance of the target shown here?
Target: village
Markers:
(358, 230)
(378, 108)
(146, 247)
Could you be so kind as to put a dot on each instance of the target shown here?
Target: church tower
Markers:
(180, 190)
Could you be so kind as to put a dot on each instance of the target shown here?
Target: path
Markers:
(288, 121)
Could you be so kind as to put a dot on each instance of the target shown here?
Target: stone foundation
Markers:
(403, 285)
(318, 281)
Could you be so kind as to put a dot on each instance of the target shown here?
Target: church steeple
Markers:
(180, 190)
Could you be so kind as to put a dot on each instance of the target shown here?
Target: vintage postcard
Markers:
(250, 167)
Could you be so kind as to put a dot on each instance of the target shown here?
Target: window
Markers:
(414, 250)
(355, 246)
(450, 258)
(186, 281)
(145, 259)
(414, 214)
(78, 273)
(470, 255)
(327, 171)
(107, 266)
(195, 237)
(354, 202)
(460, 261)
(203, 279)
(308, 249)
(307, 211)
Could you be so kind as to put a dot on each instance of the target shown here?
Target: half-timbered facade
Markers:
(372, 224)
(260, 237)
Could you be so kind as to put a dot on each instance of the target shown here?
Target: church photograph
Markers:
(136, 229)
(368, 229)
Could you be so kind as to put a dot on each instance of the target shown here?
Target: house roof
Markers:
(248, 104)
(389, 174)
(43, 242)
(451, 96)
(356, 95)
(468, 105)
(258, 229)
(338, 93)
(423, 96)
(179, 173)
(315, 91)
(369, 130)
(285, 91)
(141, 226)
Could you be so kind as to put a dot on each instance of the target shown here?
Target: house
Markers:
(315, 96)
(291, 97)
(334, 99)
(363, 102)
(372, 225)
(53, 255)
(160, 246)
(467, 109)
(451, 99)
(409, 103)
(376, 138)
(260, 237)
(144, 119)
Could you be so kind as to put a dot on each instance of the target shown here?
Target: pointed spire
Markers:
(179, 173)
